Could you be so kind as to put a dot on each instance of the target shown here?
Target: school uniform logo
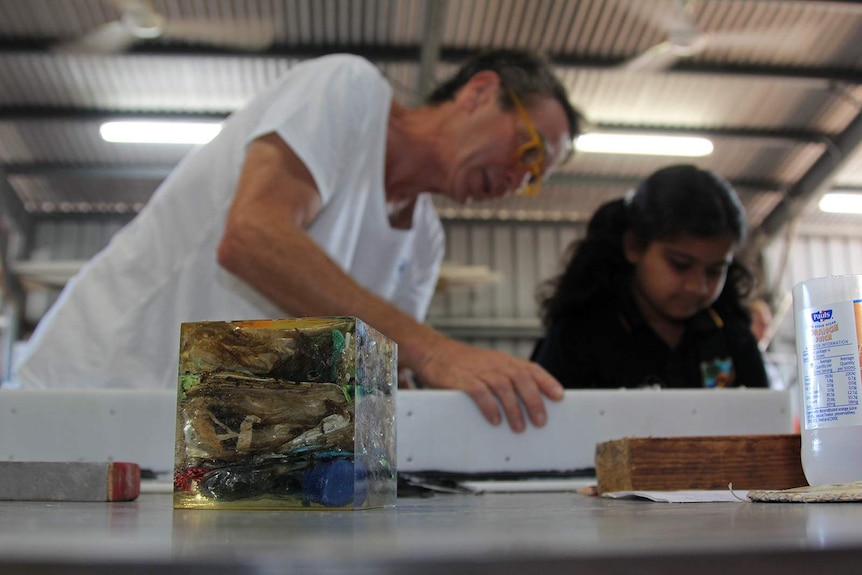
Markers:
(717, 372)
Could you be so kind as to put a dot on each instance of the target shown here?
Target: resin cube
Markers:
(280, 414)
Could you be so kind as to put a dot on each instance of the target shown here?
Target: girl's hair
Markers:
(674, 201)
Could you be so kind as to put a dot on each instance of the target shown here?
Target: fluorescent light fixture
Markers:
(145, 132)
(643, 144)
(841, 203)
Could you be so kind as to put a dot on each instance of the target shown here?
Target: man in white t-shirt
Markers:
(314, 200)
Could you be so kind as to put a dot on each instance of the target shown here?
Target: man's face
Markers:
(498, 151)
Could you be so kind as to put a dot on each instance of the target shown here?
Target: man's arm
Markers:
(265, 244)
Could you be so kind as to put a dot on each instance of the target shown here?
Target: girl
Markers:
(652, 296)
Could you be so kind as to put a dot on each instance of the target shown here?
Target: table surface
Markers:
(487, 533)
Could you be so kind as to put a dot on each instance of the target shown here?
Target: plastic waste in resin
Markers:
(293, 413)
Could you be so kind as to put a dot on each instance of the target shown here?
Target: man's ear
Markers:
(631, 249)
(481, 87)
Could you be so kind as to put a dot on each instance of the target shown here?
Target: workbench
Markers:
(547, 533)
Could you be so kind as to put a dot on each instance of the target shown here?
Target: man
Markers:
(313, 201)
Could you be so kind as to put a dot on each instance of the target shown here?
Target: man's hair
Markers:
(526, 74)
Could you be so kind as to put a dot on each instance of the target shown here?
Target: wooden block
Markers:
(69, 481)
(678, 463)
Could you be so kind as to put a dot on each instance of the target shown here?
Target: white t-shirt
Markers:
(117, 322)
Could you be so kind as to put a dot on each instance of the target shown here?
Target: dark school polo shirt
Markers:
(610, 345)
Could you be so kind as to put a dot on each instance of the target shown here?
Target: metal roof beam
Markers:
(563, 179)
(783, 137)
(811, 186)
(50, 114)
(821, 77)
(13, 216)
(160, 172)
(435, 16)
(11, 208)
(91, 172)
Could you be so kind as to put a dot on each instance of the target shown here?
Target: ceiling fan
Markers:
(138, 22)
(683, 39)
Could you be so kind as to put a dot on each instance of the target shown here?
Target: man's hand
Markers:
(492, 378)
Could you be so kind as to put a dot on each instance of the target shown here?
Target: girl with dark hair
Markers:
(653, 296)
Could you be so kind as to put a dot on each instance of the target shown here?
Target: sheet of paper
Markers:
(695, 496)
(528, 485)
(157, 486)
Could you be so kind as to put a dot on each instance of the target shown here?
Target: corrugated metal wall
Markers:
(65, 240)
(501, 315)
(807, 253)
(504, 315)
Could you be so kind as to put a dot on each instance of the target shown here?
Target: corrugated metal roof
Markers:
(781, 102)
(710, 101)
